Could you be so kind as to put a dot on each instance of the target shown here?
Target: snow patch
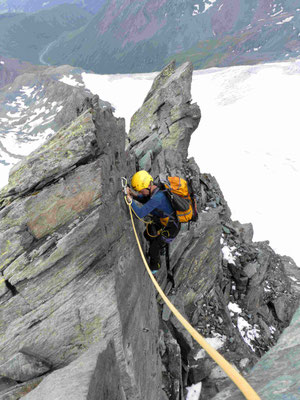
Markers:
(14, 115)
(272, 329)
(277, 13)
(234, 308)
(248, 332)
(285, 20)
(196, 10)
(207, 5)
(36, 122)
(194, 391)
(27, 90)
(293, 278)
(216, 342)
(228, 254)
(70, 80)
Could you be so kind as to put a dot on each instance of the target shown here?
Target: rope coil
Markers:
(231, 372)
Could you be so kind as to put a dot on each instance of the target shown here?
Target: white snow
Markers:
(285, 20)
(207, 5)
(196, 10)
(194, 391)
(27, 90)
(2, 62)
(36, 122)
(14, 115)
(251, 112)
(293, 278)
(234, 308)
(228, 255)
(272, 329)
(9, 160)
(125, 92)
(13, 145)
(216, 342)
(247, 331)
(277, 13)
(70, 80)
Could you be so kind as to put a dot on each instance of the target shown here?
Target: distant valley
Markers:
(143, 36)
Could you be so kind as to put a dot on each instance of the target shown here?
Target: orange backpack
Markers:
(178, 193)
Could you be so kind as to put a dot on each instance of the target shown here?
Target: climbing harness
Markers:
(232, 373)
(147, 223)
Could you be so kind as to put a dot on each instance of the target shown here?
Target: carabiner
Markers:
(124, 184)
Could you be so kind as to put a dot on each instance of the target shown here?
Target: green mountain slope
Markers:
(25, 36)
(142, 36)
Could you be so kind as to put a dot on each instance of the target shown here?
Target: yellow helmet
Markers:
(141, 180)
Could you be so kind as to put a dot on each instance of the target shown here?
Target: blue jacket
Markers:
(158, 205)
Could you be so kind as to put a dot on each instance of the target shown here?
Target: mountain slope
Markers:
(141, 36)
(10, 68)
(24, 36)
(35, 5)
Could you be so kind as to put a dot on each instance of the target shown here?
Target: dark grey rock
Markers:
(244, 230)
(168, 114)
(283, 308)
(94, 375)
(23, 367)
(79, 279)
(251, 269)
(18, 391)
(6, 383)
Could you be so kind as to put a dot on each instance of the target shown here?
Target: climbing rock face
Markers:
(69, 275)
(234, 291)
(162, 127)
(79, 318)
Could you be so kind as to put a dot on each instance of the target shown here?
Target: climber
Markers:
(165, 226)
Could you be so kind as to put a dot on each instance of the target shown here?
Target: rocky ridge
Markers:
(35, 106)
(73, 315)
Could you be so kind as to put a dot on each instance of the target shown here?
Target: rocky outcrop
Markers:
(79, 317)
(34, 106)
(230, 288)
(276, 376)
(70, 275)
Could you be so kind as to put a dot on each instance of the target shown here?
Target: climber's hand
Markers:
(129, 194)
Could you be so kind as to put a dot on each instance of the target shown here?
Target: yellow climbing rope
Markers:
(232, 373)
